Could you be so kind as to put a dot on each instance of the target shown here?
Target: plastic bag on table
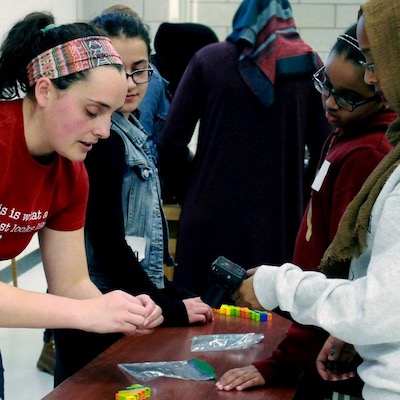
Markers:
(188, 369)
(221, 342)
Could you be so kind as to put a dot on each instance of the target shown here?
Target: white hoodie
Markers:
(365, 310)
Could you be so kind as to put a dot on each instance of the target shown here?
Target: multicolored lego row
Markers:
(244, 312)
(133, 392)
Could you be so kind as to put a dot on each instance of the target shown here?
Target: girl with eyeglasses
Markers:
(354, 148)
(125, 231)
(361, 310)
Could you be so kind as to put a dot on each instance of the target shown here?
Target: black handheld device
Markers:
(223, 279)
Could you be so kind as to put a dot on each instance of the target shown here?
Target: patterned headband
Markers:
(73, 56)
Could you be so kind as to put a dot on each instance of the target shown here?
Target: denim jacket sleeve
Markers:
(154, 109)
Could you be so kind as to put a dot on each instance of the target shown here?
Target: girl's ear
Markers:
(42, 91)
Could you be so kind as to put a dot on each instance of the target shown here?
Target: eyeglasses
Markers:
(140, 76)
(341, 101)
(369, 66)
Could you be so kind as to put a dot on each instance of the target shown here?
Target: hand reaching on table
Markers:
(240, 379)
(198, 311)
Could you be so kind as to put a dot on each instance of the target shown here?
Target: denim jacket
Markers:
(141, 198)
(154, 109)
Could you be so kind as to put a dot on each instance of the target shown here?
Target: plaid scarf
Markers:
(271, 46)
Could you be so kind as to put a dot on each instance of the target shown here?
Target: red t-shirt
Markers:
(33, 194)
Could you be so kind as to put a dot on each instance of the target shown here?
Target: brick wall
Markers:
(319, 21)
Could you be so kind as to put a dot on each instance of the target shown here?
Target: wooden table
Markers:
(102, 378)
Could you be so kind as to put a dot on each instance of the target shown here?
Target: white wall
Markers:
(319, 21)
(13, 10)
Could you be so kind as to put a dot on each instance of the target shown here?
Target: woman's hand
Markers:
(240, 379)
(334, 360)
(154, 315)
(118, 311)
(198, 311)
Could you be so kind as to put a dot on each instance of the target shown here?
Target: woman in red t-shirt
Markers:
(52, 74)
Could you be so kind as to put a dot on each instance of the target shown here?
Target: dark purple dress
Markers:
(244, 193)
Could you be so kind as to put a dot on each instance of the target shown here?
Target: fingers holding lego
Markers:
(118, 311)
(131, 314)
(154, 315)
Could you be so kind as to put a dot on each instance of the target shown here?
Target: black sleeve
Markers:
(105, 227)
(174, 157)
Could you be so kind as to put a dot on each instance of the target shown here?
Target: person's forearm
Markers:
(113, 312)
(26, 309)
(312, 299)
(83, 289)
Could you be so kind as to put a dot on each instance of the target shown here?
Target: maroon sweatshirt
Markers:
(349, 155)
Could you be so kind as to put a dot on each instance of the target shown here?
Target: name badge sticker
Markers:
(138, 245)
(320, 177)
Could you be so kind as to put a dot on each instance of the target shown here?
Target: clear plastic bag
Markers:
(189, 369)
(223, 342)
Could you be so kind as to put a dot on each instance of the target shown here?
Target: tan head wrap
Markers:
(382, 24)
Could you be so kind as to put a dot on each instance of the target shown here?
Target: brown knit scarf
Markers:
(350, 239)
(382, 23)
